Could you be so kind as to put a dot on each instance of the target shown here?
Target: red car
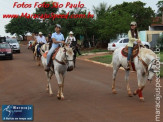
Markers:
(6, 51)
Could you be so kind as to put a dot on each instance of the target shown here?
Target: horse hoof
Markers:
(50, 95)
(59, 98)
(62, 98)
(134, 93)
(114, 91)
(130, 95)
(141, 99)
(47, 90)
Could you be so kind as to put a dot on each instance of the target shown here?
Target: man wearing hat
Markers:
(71, 40)
(40, 40)
(133, 39)
(57, 38)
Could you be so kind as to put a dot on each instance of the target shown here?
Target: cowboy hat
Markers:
(40, 33)
(71, 32)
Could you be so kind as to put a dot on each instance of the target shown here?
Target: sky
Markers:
(6, 7)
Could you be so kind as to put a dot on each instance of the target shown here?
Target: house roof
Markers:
(160, 25)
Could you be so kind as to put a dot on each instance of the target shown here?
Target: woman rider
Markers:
(133, 39)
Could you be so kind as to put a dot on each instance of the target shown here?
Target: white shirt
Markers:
(69, 39)
(41, 39)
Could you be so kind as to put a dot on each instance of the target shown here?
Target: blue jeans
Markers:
(129, 53)
(52, 49)
(38, 49)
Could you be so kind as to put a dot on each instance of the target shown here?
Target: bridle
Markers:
(148, 69)
(151, 64)
(64, 62)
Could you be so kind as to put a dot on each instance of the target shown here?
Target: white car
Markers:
(14, 44)
(122, 42)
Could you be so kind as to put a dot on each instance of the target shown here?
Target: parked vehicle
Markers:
(122, 42)
(2, 39)
(6, 51)
(14, 44)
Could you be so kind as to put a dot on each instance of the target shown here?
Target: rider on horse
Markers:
(57, 38)
(40, 40)
(71, 40)
(133, 40)
(49, 39)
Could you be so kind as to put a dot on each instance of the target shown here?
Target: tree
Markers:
(108, 23)
(142, 15)
(112, 24)
(160, 8)
(21, 26)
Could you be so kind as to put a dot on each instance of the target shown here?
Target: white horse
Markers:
(63, 62)
(35, 55)
(145, 66)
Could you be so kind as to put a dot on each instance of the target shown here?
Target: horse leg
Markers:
(59, 84)
(34, 55)
(128, 85)
(38, 60)
(141, 86)
(74, 58)
(62, 96)
(113, 83)
(49, 85)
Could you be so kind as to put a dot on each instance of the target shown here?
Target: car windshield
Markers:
(116, 40)
(11, 41)
(3, 46)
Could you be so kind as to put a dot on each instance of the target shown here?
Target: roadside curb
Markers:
(104, 64)
(87, 54)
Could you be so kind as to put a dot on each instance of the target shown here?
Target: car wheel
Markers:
(18, 51)
(11, 57)
(146, 46)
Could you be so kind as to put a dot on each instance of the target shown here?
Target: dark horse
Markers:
(74, 48)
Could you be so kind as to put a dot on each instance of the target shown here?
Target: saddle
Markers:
(53, 55)
(135, 51)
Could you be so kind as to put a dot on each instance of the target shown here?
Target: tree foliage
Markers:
(160, 8)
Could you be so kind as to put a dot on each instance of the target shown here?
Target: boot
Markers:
(47, 68)
(128, 65)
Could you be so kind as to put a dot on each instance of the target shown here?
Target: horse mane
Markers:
(145, 51)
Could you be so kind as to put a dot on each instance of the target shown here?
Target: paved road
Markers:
(88, 96)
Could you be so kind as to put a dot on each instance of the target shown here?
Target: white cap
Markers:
(133, 23)
(71, 32)
(40, 33)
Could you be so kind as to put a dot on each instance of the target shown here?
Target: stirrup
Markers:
(128, 66)
(47, 68)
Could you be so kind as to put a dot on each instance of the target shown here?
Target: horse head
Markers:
(152, 62)
(44, 48)
(67, 57)
(153, 68)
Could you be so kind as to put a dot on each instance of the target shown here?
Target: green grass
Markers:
(103, 59)
(161, 68)
(94, 51)
(161, 71)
